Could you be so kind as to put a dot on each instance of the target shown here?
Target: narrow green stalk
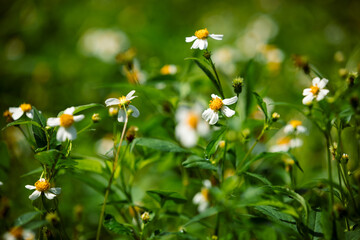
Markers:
(111, 179)
(330, 172)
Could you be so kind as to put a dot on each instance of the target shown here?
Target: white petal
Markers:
(53, 122)
(130, 96)
(16, 113)
(306, 91)
(71, 133)
(66, 133)
(279, 148)
(207, 114)
(203, 206)
(288, 129)
(207, 183)
(201, 44)
(186, 135)
(214, 118)
(229, 101)
(322, 94)
(182, 114)
(30, 114)
(121, 115)
(216, 36)
(323, 83)
(205, 44)
(35, 195)
(198, 198)
(295, 143)
(69, 110)
(112, 101)
(49, 195)
(315, 81)
(308, 99)
(203, 128)
(30, 187)
(195, 44)
(79, 118)
(227, 111)
(190, 39)
(215, 96)
(55, 190)
(135, 112)
(301, 129)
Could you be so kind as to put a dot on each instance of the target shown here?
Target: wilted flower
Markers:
(19, 233)
(65, 121)
(316, 91)
(8, 116)
(201, 39)
(203, 198)
(169, 69)
(190, 125)
(43, 186)
(294, 126)
(123, 103)
(211, 114)
(17, 112)
(284, 144)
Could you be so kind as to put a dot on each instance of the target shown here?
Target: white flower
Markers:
(294, 126)
(123, 102)
(17, 233)
(190, 125)
(316, 91)
(17, 112)
(201, 39)
(43, 185)
(1, 183)
(169, 69)
(285, 144)
(211, 114)
(202, 198)
(65, 121)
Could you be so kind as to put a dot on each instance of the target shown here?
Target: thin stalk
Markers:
(217, 77)
(111, 178)
(330, 172)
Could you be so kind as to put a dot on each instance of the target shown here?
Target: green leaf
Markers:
(214, 143)
(258, 177)
(198, 162)
(22, 122)
(36, 224)
(90, 164)
(39, 134)
(262, 105)
(163, 196)
(352, 235)
(158, 144)
(48, 157)
(84, 107)
(114, 226)
(25, 218)
(207, 213)
(37, 170)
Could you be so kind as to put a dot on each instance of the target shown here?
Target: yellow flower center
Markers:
(123, 102)
(66, 120)
(315, 90)
(25, 107)
(193, 120)
(42, 185)
(165, 70)
(216, 104)
(284, 141)
(202, 33)
(205, 194)
(17, 232)
(295, 123)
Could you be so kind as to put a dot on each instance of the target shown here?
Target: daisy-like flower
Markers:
(201, 39)
(65, 121)
(203, 198)
(284, 144)
(211, 114)
(169, 69)
(43, 186)
(123, 103)
(294, 126)
(18, 233)
(17, 112)
(316, 91)
(190, 125)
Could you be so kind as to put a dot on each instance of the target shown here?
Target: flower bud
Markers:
(52, 218)
(95, 118)
(339, 57)
(207, 55)
(8, 116)
(145, 217)
(131, 133)
(222, 144)
(301, 62)
(344, 158)
(351, 79)
(275, 116)
(343, 72)
(113, 111)
(237, 85)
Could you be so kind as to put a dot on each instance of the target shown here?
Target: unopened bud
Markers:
(345, 158)
(131, 133)
(222, 144)
(95, 118)
(207, 55)
(52, 218)
(343, 72)
(275, 116)
(351, 79)
(113, 111)
(8, 116)
(145, 217)
(237, 84)
(246, 132)
(301, 62)
(214, 237)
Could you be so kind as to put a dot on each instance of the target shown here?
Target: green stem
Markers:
(217, 77)
(330, 172)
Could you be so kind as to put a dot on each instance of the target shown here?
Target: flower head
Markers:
(316, 91)
(8, 116)
(66, 122)
(17, 112)
(169, 69)
(43, 186)
(123, 103)
(294, 126)
(284, 144)
(201, 39)
(211, 114)
(17, 232)
(203, 198)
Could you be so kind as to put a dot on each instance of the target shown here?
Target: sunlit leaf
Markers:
(157, 144)
(198, 162)
(25, 218)
(114, 226)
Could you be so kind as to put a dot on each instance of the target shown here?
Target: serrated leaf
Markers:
(214, 143)
(262, 105)
(25, 218)
(48, 157)
(114, 226)
(158, 144)
(198, 162)
(163, 196)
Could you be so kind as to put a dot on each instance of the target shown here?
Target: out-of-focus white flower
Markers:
(1, 183)
(65, 121)
(284, 144)
(226, 58)
(203, 198)
(123, 102)
(43, 186)
(273, 57)
(294, 126)
(103, 43)
(190, 125)
(169, 69)
(17, 112)
(316, 91)
(19, 233)
(201, 39)
(211, 114)
(104, 145)
(134, 74)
